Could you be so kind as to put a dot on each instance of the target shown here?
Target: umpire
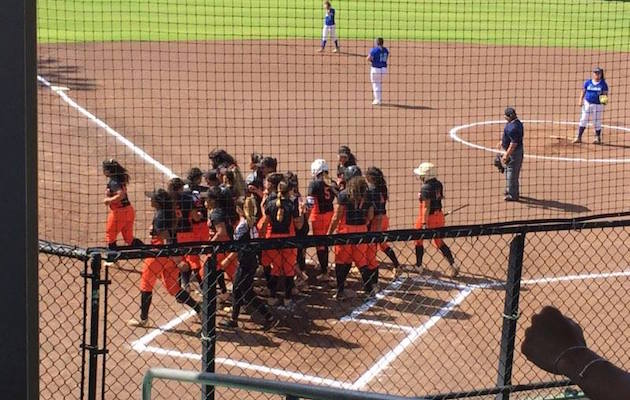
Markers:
(512, 144)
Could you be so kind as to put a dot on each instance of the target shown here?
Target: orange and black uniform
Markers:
(320, 199)
(121, 214)
(379, 198)
(162, 267)
(433, 192)
(282, 260)
(353, 220)
(200, 227)
(217, 216)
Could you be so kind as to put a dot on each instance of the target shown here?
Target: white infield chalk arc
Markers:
(453, 133)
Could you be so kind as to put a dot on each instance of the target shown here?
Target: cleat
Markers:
(597, 140)
(577, 140)
(376, 102)
(510, 198)
(336, 50)
(321, 49)
(138, 323)
(454, 270)
(270, 323)
(228, 324)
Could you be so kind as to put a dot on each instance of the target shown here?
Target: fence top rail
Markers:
(259, 385)
(502, 228)
(58, 249)
(314, 392)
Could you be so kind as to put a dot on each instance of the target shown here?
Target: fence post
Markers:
(510, 313)
(95, 278)
(208, 322)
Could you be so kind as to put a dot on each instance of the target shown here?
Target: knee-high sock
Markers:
(221, 282)
(419, 255)
(389, 252)
(447, 254)
(342, 271)
(273, 285)
(184, 277)
(322, 257)
(288, 286)
(581, 131)
(366, 274)
(184, 297)
(145, 304)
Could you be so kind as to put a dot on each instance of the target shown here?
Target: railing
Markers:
(295, 391)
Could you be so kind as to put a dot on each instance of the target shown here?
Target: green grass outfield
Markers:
(559, 23)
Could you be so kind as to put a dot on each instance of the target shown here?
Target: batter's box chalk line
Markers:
(454, 134)
(413, 333)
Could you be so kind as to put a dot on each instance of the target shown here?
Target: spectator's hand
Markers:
(550, 334)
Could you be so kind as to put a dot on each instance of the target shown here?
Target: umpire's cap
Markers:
(510, 112)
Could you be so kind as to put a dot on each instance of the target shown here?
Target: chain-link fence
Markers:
(422, 331)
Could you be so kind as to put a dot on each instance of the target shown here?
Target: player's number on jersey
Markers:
(383, 57)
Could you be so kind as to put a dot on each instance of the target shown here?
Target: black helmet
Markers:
(351, 172)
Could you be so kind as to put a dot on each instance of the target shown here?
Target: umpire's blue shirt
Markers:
(512, 133)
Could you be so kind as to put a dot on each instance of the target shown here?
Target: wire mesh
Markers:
(421, 332)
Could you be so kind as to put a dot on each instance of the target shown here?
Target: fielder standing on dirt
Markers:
(592, 100)
(329, 27)
(378, 59)
(512, 143)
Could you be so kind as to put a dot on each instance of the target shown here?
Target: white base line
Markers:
(146, 157)
(247, 366)
(570, 278)
(410, 339)
(380, 324)
(148, 338)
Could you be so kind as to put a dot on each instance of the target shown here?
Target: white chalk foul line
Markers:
(60, 91)
(148, 338)
(251, 367)
(141, 345)
(571, 278)
(453, 134)
(387, 359)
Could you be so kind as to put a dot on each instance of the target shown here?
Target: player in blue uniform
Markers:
(592, 100)
(329, 27)
(378, 59)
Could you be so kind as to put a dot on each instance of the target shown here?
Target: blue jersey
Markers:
(592, 90)
(379, 57)
(512, 133)
(329, 19)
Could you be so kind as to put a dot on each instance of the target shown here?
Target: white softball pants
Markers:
(376, 77)
(329, 31)
(594, 113)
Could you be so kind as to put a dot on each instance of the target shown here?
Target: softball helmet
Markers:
(318, 166)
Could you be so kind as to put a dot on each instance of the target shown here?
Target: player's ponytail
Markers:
(116, 170)
(376, 176)
(283, 193)
(357, 188)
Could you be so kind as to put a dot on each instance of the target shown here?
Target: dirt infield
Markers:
(177, 101)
